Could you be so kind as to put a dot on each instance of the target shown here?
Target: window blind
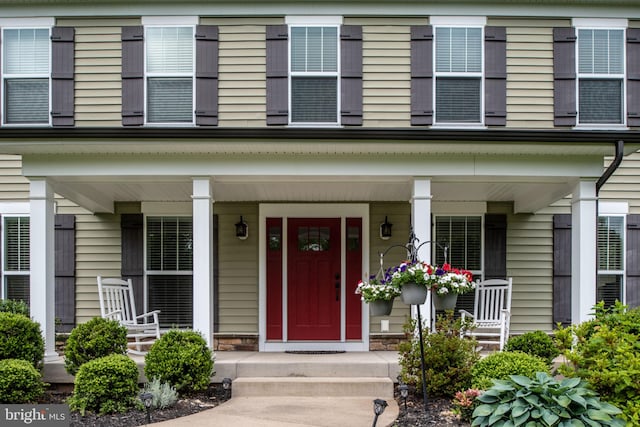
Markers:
(600, 100)
(458, 49)
(26, 51)
(26, 101)
(610, 243)
(314, 49)
(169, 244)
(600, 51)
(16, 244)
(170, 99)
(314, 99)
(173, 296)
(169, 50)
(458, 100)
(462, 237)
(17, 288)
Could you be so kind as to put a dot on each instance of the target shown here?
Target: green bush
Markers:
(543, 401)
(20, 382)
(106, 385)
(21, 338)
(500, 365)
(447, 358)
(94, 339)
(535, 343)
(164, 395)
(607, 356)
(14, 306)
(182, 359)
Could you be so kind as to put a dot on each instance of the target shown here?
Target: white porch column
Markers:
(583, 251)
(202, 258)
(421, 223)
(42, 258)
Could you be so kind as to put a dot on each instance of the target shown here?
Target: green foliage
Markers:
(501, 365)
(543, 401)
(536, 343)
(447, 357)
(94, 339)
(20, 382)
(106, 385)
(14, 306)
(182, 359)
(21, 338)
(164, 395)
(607, 355)
(465, 402)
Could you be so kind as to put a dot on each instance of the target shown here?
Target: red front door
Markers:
(313, 277)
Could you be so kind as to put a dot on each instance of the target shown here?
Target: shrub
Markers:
(501, 365)
(535, 343)
(164, 395)
(94, 339)
(20, 382)
(543, 401)
(21, 338)
(14, 306)
(465, 402)
(106, 385)
(447, 358)
(182, 359)
(607, 356)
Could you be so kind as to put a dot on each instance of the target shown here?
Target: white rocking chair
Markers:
(117, 303)
(491, 312)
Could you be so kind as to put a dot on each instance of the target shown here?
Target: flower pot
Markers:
(445, 302)
(381, 307)
(413, 294)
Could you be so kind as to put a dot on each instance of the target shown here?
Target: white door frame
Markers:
(310, 210)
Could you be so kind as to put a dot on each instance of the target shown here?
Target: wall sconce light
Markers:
(242, 229)
(385, 229)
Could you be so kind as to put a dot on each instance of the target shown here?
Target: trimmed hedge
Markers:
(94, 339)
(501, 365)
(20, 382)
(21, 338)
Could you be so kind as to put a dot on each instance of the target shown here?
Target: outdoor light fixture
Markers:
(404, 393)
(226, 385)
(242, 229)
(385, 229)
(379, 406)
(147, 400)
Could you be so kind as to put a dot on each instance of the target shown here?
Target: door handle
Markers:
(337, 291)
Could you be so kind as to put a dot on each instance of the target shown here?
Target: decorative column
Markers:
(583, 251)
(202, 258)
(42, 258)
(421, 223)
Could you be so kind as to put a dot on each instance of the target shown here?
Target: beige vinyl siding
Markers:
(624, 185)
(238, 269)
(13, 186)
(98, 56)
(529, 71)
(242, 89)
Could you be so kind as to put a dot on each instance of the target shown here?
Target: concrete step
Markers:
(313, 386)
(310, 366)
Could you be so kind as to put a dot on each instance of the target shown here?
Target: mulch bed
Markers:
(438, 412)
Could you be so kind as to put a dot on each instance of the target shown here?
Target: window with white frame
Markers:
(25, 75)
(314, 74)
(601, 75)
(169, 269)
(16, 266)
(458, 74)
(169, 69)
(611, 259)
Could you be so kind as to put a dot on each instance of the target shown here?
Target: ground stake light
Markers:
(404, 393)
(379, 406)
(147, 400)
(226, 385)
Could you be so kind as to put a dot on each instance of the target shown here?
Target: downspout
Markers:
(612, 167)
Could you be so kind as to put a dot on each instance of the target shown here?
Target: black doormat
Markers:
(314, 352)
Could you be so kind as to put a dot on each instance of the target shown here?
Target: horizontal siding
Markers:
(624, 183)
(13, 186)
(98, 90)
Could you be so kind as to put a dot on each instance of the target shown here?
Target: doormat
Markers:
(314, 352)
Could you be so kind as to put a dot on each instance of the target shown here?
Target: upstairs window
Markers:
(25, 75)
(601, 76)
(314, 74)
(169, 69)
(458, 73)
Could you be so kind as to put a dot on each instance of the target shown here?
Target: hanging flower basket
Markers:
(381, 307)
(444, 302)
(413, 293)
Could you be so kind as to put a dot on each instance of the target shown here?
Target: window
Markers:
(600, 76)
(169, 74)
(25, 75)
(15, 252)
(611, 254)
(314, 74)
(458, 59)
(170, 269)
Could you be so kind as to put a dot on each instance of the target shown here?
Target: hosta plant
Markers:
(543, 401)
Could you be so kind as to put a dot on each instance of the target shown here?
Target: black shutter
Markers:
(0, 70)
(421, 75)
(351, 75)
(495, 245)
(216, 274)
(132, 264)
(62, 70)
(564, 76)
(206, 75)
(277, 75)
(495, 73)
(633, 76)
(562, 269)
(132, 76)
(633, 261)
(65, 271)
